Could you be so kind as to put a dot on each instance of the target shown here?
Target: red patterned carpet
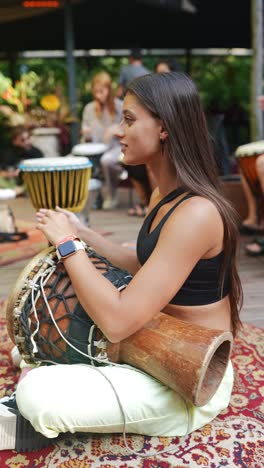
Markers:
(233, 439)
(11, 252)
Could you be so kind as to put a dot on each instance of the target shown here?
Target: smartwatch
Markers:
(68, 248)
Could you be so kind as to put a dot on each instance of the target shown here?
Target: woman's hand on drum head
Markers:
(54, 225)
(70, 216)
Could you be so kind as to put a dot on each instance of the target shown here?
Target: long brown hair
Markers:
(173, 98)
(105, 80)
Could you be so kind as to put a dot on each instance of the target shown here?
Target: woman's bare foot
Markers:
(256, 248)
(138, 210)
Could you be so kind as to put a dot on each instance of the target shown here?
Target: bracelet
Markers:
(67, 238)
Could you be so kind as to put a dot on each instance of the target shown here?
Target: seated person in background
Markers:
(139, 175)
(140, 181)
(143, 182)
(250, 224)
(20, 148)
(167, 65)
(99, 120)
(134, 69)
(256, 248)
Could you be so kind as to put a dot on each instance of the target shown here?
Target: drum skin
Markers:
(186, 357)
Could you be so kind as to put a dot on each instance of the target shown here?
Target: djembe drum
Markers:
(59, 181)
(246, 156)
(48, 324)
(93, 151)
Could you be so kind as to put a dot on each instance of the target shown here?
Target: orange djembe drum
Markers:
(59, 181)
(48, 324)
(246, 156)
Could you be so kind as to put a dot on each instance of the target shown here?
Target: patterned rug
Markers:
(234, 439)
(11, 252)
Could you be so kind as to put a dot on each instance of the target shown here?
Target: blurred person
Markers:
(256, 248)
(139, 175)
(140, 179)
(166, 65)
(99, 121)
(134, 69)
(250, 225)
(20, 148)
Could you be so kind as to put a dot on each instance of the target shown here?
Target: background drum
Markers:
(61, 181)
(246, 156)
(48, 324)
(93, 151)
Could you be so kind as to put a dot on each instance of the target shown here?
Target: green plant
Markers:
(223, 81)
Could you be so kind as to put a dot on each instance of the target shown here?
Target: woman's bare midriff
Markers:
(216, 315)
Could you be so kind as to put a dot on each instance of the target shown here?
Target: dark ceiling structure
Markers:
(121, 24)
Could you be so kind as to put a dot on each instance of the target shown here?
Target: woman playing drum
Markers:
(185, 266)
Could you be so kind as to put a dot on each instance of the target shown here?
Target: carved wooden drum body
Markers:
(247, 156)
(48, 325)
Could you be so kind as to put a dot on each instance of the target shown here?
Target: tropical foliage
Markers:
(223, 83)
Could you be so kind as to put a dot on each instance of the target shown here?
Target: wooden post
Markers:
(256, 119)
(69, 41)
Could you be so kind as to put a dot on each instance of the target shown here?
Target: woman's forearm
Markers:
(119, 256)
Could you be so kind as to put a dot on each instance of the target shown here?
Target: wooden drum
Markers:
(93, 151)
(48, 324)
(59, 181)
(247, 156)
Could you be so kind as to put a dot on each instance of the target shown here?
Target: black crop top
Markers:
(203, 284)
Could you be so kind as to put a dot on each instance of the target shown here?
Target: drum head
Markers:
(250, 149)
(66, 163)
(89, 149)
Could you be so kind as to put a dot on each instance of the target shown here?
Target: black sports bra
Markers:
(203, 284)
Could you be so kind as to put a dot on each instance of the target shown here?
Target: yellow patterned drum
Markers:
(59, 181)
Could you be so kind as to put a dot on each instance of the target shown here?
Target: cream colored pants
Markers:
(78, 398)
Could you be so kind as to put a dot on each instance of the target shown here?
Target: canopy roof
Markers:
(117, 24)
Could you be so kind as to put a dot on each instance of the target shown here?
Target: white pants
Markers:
(7, 193)
(111, 169)
(78, 398)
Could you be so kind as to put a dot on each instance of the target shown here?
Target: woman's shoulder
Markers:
(89, 106)
(196, 220)
(200, 208)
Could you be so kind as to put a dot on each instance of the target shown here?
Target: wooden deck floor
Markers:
(125, 228)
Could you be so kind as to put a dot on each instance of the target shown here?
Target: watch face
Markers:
(67, 248)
